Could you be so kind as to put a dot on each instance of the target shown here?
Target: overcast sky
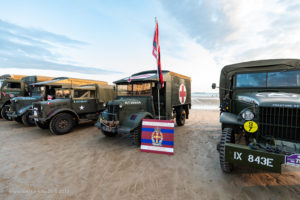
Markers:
(108, 40)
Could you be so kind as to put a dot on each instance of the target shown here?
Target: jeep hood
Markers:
(271, 99)
(34, 98)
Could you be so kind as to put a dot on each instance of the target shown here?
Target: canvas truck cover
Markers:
(11, 76)
(70, 82)
(105, 93)
(260, 65)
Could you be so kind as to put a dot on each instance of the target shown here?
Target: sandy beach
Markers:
(86, 165)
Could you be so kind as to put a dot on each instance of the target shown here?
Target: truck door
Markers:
(84, 101)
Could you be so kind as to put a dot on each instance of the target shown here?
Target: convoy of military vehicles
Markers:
(259, 108)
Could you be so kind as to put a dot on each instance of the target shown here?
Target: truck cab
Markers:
(260, 114)
(138, 99)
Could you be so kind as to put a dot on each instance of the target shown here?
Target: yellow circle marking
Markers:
(250, 126)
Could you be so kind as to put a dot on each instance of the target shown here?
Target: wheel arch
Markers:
(59, 111)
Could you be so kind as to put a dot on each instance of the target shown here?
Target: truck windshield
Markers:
(268, 79)
(63, 93)
(134, 89)
(38, 91)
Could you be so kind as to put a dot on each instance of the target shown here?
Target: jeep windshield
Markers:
(279, 79)
(1, 82)
(63, 93)
(134, 89)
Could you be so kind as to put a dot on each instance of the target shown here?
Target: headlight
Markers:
(104, 104)
(120, 106)
(247, 115)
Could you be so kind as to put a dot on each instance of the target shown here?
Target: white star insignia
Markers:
(81, 107)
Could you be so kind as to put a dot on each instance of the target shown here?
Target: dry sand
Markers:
(86, 165)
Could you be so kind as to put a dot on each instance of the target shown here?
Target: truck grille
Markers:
(113, 112)
(280, 123)
(13, 106)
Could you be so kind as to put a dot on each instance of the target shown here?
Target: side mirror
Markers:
(213, 86)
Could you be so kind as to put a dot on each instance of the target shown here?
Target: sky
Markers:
(110, 40)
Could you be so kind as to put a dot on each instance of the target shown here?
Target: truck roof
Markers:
(70, 81)
(150, 75)
(11, 76)
(294, 63)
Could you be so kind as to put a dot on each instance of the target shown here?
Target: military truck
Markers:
(260, 114)
(137, 99)
(71, 105)
(20, 107)
(14, 86)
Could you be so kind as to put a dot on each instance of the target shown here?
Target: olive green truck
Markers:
(15, 86)
(72, 105)
(137, 99)
(260, 114)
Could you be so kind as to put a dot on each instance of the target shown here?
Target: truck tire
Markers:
(27, 121)
(109, 134)
(61, 124)
(3, 113)
(18, 119)
(42, 125)
(227, 137)
(180, 117)
(136, 135)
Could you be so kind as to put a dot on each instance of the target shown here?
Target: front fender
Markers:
(230, 118)
(51, 114)
(133, 120)
(23, 110)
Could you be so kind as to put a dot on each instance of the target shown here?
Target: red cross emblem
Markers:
(182, 94)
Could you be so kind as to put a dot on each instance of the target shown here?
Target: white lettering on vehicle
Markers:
(260, 160)
(237, 156)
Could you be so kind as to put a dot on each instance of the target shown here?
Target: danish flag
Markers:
(156, 53)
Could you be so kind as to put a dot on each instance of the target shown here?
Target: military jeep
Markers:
(15, 86)
(260, 114)
(71, 105)
(137, 99)
(21, 107)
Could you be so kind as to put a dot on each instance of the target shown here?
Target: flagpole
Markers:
(157, 60)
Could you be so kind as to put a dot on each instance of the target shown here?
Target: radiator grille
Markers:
(113, 112)
(280, 123)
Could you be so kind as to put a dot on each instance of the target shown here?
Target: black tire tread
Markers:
(26, 120)
(52, 124)
(226, 137)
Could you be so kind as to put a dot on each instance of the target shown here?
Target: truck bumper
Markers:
(108, 126)
(244, 156)
(12, 114)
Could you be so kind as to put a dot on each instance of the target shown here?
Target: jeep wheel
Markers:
(18, 119)
(136, 135)
(61, 124)
(180, 117)
(27, 120)
(109, 134)
(4, 113)
(42, 125)
(227, 137)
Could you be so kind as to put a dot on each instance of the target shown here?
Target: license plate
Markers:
(293, 160)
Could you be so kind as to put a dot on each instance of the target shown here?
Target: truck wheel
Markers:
(227, 137)
(61, 124)
(19, 120)
(136, 135)
(27, 121)
(4, 115)
(42, 125)
(180, 117)
(109, 134)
